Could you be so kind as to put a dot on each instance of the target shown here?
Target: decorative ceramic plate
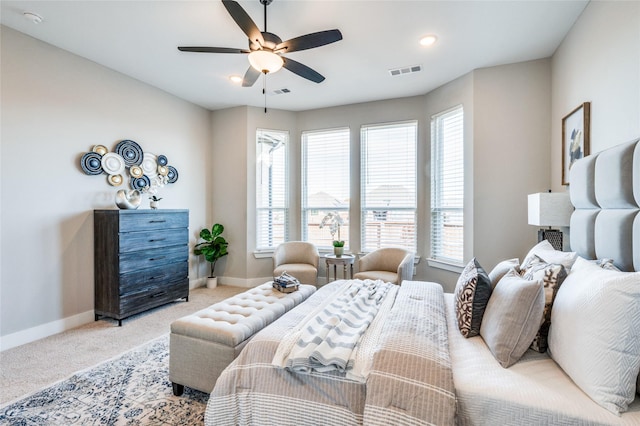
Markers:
(163, 170)
(162, 160)
(115, 180)
(91, 163)
(130, 151)
(150, 164)
(140, 183)
(113, 163)
(136, 171)
(100, 149)
(173, 174)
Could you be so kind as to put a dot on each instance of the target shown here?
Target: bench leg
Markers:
(177, 389)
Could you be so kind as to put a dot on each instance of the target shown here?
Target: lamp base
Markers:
(554, 236)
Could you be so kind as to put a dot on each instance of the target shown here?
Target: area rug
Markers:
(132, 389)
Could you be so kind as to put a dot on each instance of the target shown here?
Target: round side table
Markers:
(344, 260)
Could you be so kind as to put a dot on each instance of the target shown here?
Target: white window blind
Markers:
(325, 184)
(447, 186)
(272, 210)
(388, 186)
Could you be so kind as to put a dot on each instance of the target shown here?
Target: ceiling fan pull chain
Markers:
(264, 91)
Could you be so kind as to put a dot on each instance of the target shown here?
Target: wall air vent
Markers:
(405, 70)
(281, 91)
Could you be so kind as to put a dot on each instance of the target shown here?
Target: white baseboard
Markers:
(45, 330)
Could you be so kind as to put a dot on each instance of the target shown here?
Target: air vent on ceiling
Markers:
(281, 91)
(405, 70)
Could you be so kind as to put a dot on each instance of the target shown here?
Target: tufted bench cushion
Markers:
(204, 343)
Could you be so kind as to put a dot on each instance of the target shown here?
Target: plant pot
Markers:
(212, 282)
(338, 251)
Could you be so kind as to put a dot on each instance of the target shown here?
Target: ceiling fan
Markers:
(266, 49)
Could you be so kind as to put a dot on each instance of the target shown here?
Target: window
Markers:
(388, 186)
(271, 188)
(447, 186)
(325, 184)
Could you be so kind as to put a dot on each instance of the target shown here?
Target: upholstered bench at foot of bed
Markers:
(204, 343)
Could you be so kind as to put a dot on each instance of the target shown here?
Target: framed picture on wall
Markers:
(575, 138)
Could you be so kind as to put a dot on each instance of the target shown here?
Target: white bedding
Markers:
(533, 391)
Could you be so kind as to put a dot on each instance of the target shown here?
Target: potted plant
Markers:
(334, 221)
(155, 202)
(212, 248)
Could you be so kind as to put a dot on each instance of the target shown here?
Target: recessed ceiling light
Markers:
(33, 17)
(235, 79)
(428, 40)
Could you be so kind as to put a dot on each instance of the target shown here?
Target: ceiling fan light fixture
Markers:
(265, 61)
(428, 40)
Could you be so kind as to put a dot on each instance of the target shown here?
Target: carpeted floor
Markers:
(34, 366)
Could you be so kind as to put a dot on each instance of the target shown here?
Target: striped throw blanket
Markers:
(340, 334)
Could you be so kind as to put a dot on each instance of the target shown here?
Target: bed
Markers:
(424, 371)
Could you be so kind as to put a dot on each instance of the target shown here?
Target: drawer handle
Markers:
(158, 294)
(157, 258)
(158, 221)
(156, 240)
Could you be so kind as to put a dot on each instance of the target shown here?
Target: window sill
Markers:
(447, 266)
(263, 254)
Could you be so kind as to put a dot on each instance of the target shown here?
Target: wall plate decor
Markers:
(150, 165)
(91, 163)
(113, 163)
(575, 137)
(145, 171)
(130, 151)
(115, 180)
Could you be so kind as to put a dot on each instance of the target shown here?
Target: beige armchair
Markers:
(387, 264)
(297, 258)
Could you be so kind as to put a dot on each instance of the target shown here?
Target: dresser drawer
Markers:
(135, 261)
(153, 220)
(153, 277)
(141, 301)
(135, 241)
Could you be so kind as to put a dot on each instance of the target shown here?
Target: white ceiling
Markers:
(139, 39)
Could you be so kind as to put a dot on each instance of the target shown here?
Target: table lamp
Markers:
(551, 209)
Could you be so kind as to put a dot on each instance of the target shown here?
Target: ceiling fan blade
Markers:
(244, 21)
(302, 70)
(309, 41)
(211, 49)
(250, 77)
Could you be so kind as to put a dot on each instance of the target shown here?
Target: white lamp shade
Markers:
(549, 209)
(263, 60)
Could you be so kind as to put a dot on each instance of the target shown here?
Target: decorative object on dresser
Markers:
(212, 248)
(575, 138)
(550, 209)
(140, 260)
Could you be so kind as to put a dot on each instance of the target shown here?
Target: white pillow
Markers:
(595, 332)
(501, 269)
(545, 251)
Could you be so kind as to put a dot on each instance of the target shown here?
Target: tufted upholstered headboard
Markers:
(605, 191)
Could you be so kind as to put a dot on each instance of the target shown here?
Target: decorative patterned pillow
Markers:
(606, 263)
(471, 295)
(512, 317)
(552, 276)
(545, 251)
(502, 268)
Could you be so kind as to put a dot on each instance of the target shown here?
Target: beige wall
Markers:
(55, 107)
(598, 62)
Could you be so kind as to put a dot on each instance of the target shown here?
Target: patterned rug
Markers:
(132, 389)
